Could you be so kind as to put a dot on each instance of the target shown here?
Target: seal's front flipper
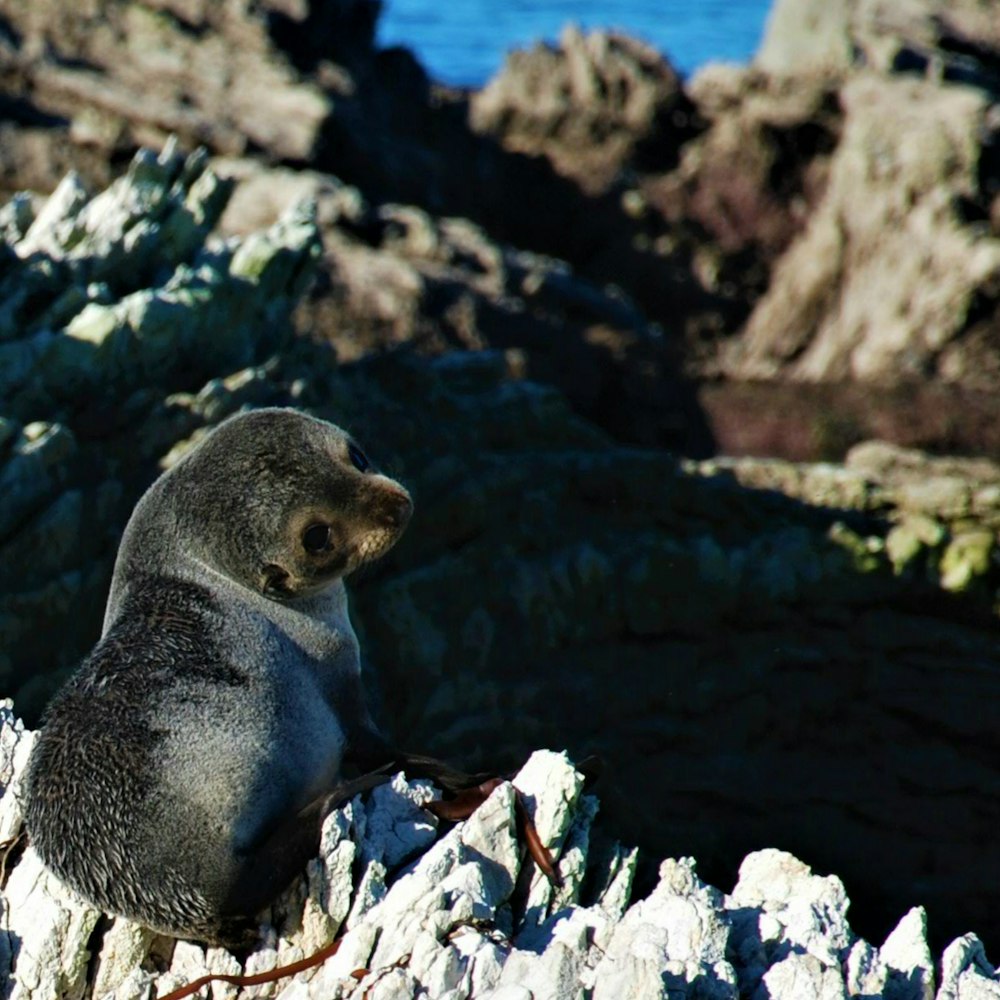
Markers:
(269, 866)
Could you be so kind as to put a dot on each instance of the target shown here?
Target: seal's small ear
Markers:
(274, 581)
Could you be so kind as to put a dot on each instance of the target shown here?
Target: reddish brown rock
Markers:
(595, 105)
(891, 274)
(956, 40)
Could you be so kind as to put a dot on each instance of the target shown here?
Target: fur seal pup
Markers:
(182, 774)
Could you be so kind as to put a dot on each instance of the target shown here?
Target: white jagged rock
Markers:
(614, 896)
(902, 969)
(392, 823)
(573, 862)
(799, 976)
(330, 881)
(865, 973)
(671, 943)
(454, 917)
(550, 788)
(966, 974)
(907, 957)
(124, 946)
(778, 906)
(15, 745)
(48, 927)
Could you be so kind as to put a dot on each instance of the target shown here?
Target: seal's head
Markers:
(279, 501)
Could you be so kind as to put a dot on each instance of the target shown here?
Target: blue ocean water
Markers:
(463, 42)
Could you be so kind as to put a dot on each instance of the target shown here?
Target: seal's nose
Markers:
(394, 507)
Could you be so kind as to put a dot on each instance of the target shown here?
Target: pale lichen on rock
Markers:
(107, 305)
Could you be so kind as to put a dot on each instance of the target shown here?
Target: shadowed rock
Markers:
(110, 303)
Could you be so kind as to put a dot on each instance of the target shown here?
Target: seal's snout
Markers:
(394, 508)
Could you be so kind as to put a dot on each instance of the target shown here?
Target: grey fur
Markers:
(180, 775)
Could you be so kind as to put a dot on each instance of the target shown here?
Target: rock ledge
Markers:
(462, 914)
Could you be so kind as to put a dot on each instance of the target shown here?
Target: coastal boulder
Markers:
(596, 103)
(893, 278)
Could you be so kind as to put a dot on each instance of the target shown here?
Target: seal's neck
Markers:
(319, 624)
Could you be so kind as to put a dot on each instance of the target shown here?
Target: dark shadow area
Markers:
(15, 944)
(20, 111)
(552, 593)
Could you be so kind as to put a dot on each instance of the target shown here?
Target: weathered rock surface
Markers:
(422, 912)
(394, 275)
(109, 303)
(810, 648)
(895, 276)
(958, 41)
(595, 104)
(731, 209)
(121, 74)
(690, 194)
(836, 204)
(890, 280)
(817, 622)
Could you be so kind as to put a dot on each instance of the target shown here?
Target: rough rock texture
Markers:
(895, 277)
(742, 191)
(690, 194)
(731, 209)
(889, 280)
(957, 41)
(124, 73)
(423, 912)
(810, 648)
(291, 84)
(594, 104)
(818, 622)
(374, 119)
(109, 303)
(841, 198)
(751, 630)
(394, 275)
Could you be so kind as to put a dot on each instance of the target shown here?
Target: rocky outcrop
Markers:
(459, 913)
(596, 105)
(259, 86)
(835, 204)
(110, 303)
(890, 280)
(692, 193)
(810, 648)
(774, 221)
(394, 275)
(958, 41)
(121, 74)
(895, 277)
(703, 627)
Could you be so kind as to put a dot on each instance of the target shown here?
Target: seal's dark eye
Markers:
(316, 538)
(361, 463)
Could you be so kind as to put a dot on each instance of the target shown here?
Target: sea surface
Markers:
(463, 42)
